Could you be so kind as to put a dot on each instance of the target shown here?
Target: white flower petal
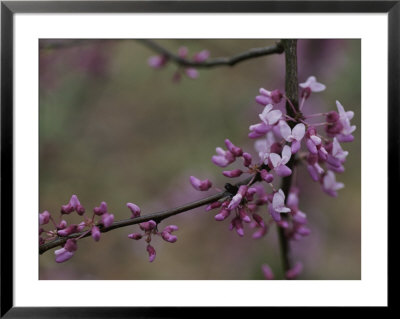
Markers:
(298, 131)
(274, 116)
(284, 129)
(286, 154)
(275, 159)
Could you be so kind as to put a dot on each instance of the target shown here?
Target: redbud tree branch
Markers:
(291, 88)
(157, 217)
(222, 61)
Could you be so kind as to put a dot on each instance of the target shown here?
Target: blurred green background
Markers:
(113, 129)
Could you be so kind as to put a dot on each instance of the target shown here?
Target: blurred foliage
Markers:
(113, 129)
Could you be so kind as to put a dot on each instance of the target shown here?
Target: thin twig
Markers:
(222, 61)
(157, 217)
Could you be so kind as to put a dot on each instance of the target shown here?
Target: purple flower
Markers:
(63, 255)
(68, 231)
(279, 162)
(294, 271)
(146, 226)
(204, 185)
(329, 184)
(44, 218)
(232, 173)
(107, 219)
(344, 118)
(337, 157)
(152, 253)
(201, 56)
(246, 159)
(223, 214)
(157, 61)
(96, 233)
(166, 233)
(135, 209)
(269, 116)
(278, 206)
(235, 150)
(71, 245)
(263, 147)
(267, 272)
(259, 130)
(102, 209)
(237, 224)
(135, 236)
(73, 205)
(266, 176)
(294, 135)
(224, 158)
(213, 206)
(311, 85)
(268, 97)
(183, 52)
(192, 73)
(238, 197)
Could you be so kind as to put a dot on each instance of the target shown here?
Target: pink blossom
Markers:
(135, 236)
(135, 209)
(263, 147)
(224, 158)
(146, 226)
(268, 97)
(236, 200)
(294, 271)
(278, 206)
(63, 255)
(166, 233)
(157, 61)
(201, 56)
(96, 233)
(102, 209)
(294, 135)
(235, 150)
(152, 253)
(107, 219)
(246, 159)
(200, 185)
(329, 184)
(267, 272)
(73, 205)
(44, 218)
(192, 73)
(232, 173)
(311, 85)
(269, 116)
(279, 162)
(344, 118)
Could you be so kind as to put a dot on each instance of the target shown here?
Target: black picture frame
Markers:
(9, 8)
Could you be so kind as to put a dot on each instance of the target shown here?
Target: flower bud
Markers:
(44, 218)
(233, 173)
(96, 233)
(152, 253)
(135, 236)
(102, 209)
(134, 209)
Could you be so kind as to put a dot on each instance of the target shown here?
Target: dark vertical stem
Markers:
(291, 88)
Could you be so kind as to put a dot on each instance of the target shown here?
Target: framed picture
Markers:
(182, 154)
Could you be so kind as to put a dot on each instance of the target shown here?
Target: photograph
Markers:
(199, 159)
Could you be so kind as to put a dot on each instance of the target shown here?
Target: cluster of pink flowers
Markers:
(281, 139)
(149, 228)
(160, 61)
(62, 229)
(93, 227)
